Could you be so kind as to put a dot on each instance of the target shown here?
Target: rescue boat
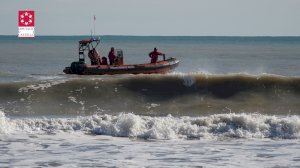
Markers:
(82, 68)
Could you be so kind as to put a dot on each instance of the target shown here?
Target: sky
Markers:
(157, 17)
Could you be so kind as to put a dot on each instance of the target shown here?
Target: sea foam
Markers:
(168, 127)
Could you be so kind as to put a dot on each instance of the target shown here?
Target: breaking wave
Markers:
(220, 86)
(176, 94)
(167, 127)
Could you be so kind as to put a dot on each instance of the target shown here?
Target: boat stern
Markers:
(75, 68)
(67, 70)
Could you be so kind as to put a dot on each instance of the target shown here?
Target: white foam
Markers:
(41, 86)
(208, 74)
(47, 77)
(152, 105)
(168, 127)
(5, 125)
(72, 99)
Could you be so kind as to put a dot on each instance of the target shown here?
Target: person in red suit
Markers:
(111, 56)
(154, 55)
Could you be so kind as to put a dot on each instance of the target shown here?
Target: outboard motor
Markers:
(77, 67)
(87, 46)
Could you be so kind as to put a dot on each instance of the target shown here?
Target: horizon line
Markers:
(161, 35)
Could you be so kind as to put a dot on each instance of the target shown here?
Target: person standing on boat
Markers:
(154, 55)
(94, 57)
(112, 56)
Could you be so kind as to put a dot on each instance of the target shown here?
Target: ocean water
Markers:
(232, 102)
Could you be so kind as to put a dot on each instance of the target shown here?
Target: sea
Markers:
(231, 102)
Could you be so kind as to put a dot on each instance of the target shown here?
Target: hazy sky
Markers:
(157, 17)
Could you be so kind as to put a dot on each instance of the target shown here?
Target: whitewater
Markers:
(129, 140)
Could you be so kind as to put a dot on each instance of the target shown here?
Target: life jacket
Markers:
(154, 56)
(111, 55)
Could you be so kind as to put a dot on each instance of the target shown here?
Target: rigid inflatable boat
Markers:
(87, 46)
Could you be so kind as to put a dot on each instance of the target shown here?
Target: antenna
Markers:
(94, 19)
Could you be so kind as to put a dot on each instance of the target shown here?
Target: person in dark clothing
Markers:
(104, 61)
(112, 56)
(154, 55)
(94, 57)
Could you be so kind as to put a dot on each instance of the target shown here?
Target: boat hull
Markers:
(160, 67)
